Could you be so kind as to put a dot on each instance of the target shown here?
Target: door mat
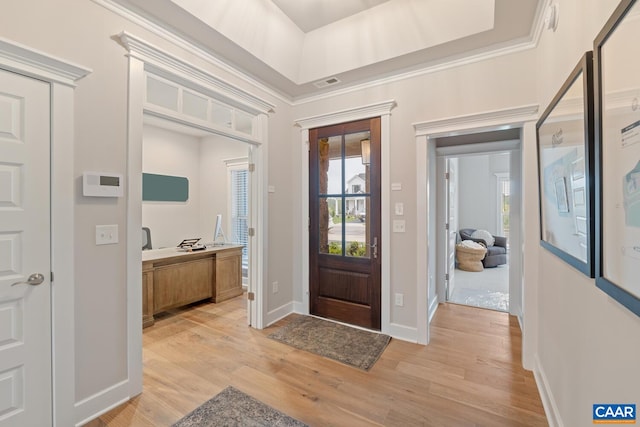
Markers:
(231, 408)
(351, 346)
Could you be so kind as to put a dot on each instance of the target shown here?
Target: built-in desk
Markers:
(172, 278)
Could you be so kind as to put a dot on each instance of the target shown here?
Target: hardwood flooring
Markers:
(469, 375)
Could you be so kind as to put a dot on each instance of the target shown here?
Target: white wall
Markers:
(166, 152)
(588, 343)
(202, 161)
(478, 190)
(502, 82)
(83, 32)
(214, 195)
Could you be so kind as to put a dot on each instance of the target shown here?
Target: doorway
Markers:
(478, 189)
(345, 222)
(477, 184)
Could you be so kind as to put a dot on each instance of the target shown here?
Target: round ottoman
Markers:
(470, 259)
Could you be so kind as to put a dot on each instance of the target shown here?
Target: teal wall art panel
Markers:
(164, 188)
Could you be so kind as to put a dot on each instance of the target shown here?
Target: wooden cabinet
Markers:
(172, 279)
(228, 275)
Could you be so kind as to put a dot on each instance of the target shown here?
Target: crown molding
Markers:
(34, 63)
(489, 119)
(190, 47)
(529, 42)
(372, 110)
(158, 61)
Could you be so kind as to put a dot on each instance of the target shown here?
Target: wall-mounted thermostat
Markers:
(102, 184)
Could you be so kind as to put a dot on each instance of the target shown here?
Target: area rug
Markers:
(231, 407)
(481, 298)
(351, 346)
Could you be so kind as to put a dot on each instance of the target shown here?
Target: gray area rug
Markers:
(351, 346)
(481, 298)
(231, 407)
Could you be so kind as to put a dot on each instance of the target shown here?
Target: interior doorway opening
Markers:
(477, 178)
(478, 188)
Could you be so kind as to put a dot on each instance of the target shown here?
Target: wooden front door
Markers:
(344, 222)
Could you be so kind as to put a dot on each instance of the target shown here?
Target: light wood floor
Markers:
(469, 375)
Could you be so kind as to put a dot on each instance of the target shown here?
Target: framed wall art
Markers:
(616, 55)
(565, 134)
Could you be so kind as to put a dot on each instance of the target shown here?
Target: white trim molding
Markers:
(159, 61)
(382, 110)
(348, 115)
(512, 117)
(548, 401)
(33, 63)
(62, 75)
(425, 134)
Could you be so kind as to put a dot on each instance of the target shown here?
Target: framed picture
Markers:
(565, 135)
(618, 156)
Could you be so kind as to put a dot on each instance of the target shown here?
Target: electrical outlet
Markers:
(274, 285)
(398, 225)
(400, 300)
(106, 234)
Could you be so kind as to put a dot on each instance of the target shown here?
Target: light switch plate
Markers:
(398, 225)
(106, 234)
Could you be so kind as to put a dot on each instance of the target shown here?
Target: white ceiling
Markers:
(310, 15)
(291, 44)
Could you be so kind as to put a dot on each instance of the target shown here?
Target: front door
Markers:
(344, 223)
(25, 291)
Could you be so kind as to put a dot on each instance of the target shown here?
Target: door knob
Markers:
(34, 279)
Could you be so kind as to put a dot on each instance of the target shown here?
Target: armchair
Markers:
(496, 254)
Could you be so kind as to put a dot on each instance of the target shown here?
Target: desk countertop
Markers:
(157, 254)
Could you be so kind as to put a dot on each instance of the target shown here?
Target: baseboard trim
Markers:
(402, 332)
(279, 313)
(104, 401)
(432, 308)
(548, 402)
(300, 308)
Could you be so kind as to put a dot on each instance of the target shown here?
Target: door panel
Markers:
(452, 221)
(25, 309)
(345, 222)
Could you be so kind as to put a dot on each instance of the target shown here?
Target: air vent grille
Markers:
(327, 82)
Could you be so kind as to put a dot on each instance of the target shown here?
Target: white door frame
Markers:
(425, 133)
(62, 76)
(145, 57)
(383, 110)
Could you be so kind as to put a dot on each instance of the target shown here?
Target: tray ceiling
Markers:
(296, 46)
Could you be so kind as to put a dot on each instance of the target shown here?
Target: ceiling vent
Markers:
(327, 82)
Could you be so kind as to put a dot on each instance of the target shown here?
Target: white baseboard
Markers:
(101, 402)
(548, 402)
(433, 307)
(401, 332)
(279, 313)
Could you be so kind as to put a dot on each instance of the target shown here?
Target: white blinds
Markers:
(240, 212)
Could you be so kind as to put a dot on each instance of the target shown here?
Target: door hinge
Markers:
(446, 175)
(252, 167)
(446, 276)
(251, 296)
(252, 231)
(52, 276)
(446, 226)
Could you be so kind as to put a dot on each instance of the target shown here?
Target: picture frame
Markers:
(617, 93)
(565, 147)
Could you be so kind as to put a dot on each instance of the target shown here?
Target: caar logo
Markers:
(614, 414)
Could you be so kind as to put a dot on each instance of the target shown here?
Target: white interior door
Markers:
(25, 291)
(451, 195)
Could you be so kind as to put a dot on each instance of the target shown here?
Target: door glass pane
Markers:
(343, 195)
(330, 182)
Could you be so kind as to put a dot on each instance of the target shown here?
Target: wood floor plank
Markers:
(469, 375)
